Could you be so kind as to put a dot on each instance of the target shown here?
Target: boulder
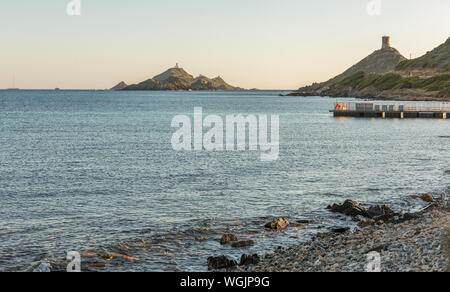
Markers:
(227, 238)
(406, 217)
(349, 208)
(248, 260)
(278, 224)
(221, 262)
(380, 210)
(424, 197)
(241, 244)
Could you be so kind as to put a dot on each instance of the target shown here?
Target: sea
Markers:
(95, 172)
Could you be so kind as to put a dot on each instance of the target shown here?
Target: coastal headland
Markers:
(387, 75)
(177, 78)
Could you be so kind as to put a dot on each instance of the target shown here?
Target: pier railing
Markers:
(392, 107)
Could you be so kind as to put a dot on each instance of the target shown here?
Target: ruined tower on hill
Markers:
(386, 42)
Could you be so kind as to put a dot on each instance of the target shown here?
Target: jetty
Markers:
(394, 111)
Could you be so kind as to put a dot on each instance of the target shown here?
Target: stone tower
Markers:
(386, 42)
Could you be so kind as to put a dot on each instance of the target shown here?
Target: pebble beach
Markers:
(416, 245)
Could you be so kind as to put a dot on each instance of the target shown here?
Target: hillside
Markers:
(393, 86)
(174, 73)
(178, 79)
(424, 78)
(435, 62)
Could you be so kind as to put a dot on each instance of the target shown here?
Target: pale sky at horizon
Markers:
(266, 44)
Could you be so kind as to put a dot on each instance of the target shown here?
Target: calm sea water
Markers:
(84, 170)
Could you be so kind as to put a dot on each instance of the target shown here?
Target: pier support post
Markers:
(383, 115)
(402, 115)
(444, 116)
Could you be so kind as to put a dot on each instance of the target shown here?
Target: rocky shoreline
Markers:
(405, 242)
(375, 96)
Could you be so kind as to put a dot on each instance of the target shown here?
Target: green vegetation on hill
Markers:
(438, 59)
(359, 81)
(379, 62)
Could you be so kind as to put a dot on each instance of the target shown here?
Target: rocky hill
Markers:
(119, 86)
(386, 74)
(379, 62)
(178, 79)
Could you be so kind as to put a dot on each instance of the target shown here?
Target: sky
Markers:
(265, 44)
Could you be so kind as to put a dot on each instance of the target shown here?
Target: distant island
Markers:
(386, 74)
(177, 78)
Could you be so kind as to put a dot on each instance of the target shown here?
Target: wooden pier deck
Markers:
(395, 111)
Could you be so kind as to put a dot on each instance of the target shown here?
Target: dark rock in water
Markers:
(278, 224)
(407, 217)
(227, 238)
(245, 243)
(380, 210)
(341, 230)
(424, 197)
(221, 262)
(386, 218)
(349, 208)
(248, 260)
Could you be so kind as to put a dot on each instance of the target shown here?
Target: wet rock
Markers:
(386, 218)
(221, 262)
(424, 197)
(406, 217)
(349, 208)
(278, 224)
(227, 238)
(241, 244)
(104, 255)
(248, 260)
(366, 223)
(340, 229)
(380, 210)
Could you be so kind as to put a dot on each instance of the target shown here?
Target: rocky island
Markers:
(386, 74)
(178, 79)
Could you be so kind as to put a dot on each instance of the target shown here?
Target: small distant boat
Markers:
(57, 89)
(13, 83)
